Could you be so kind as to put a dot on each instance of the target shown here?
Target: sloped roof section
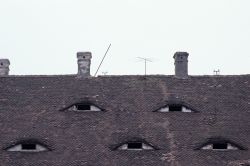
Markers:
(31, 108)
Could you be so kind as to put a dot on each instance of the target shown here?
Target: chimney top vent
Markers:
(179, 54)
(4, 67)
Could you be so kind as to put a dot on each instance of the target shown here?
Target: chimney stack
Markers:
(181, 64)
(4, 67)
(84, 61)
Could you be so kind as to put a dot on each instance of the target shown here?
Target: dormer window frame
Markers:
(220, 144)
(133, 145)
(28, 146)
(185, 108)
(93, 107)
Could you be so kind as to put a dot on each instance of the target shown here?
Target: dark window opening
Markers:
(28, 146)
(220, 146)
(135, 145)
(173, 108)
(83, 107)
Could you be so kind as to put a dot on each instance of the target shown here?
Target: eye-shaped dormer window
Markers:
(84, 107)
(175, 108)
(220, 145)
(135, 145)
(27, 146)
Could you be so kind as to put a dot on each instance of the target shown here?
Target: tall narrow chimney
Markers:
(4, 67)
(84, 61)
(181, 64)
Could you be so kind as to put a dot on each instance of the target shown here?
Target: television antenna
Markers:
(217, 72)
(104, 72)
(145, 63)
(103, 59)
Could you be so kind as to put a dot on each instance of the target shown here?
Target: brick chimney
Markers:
(181, 64)
(84, 61)
(4, 67)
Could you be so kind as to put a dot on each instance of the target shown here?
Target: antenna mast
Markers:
(217, 72)
(103, 59)
(145, 63)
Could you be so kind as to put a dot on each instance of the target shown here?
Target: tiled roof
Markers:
(32, 107)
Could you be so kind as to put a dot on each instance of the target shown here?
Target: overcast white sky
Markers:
(43, 36)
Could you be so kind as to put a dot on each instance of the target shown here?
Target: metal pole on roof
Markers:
(145, 63)
(102, 59)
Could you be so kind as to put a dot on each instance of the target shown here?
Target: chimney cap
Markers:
(179, 53)
(4, 62)
(4, 67)
(84, 55)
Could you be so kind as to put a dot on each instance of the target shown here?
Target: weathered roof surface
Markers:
(32, 107)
